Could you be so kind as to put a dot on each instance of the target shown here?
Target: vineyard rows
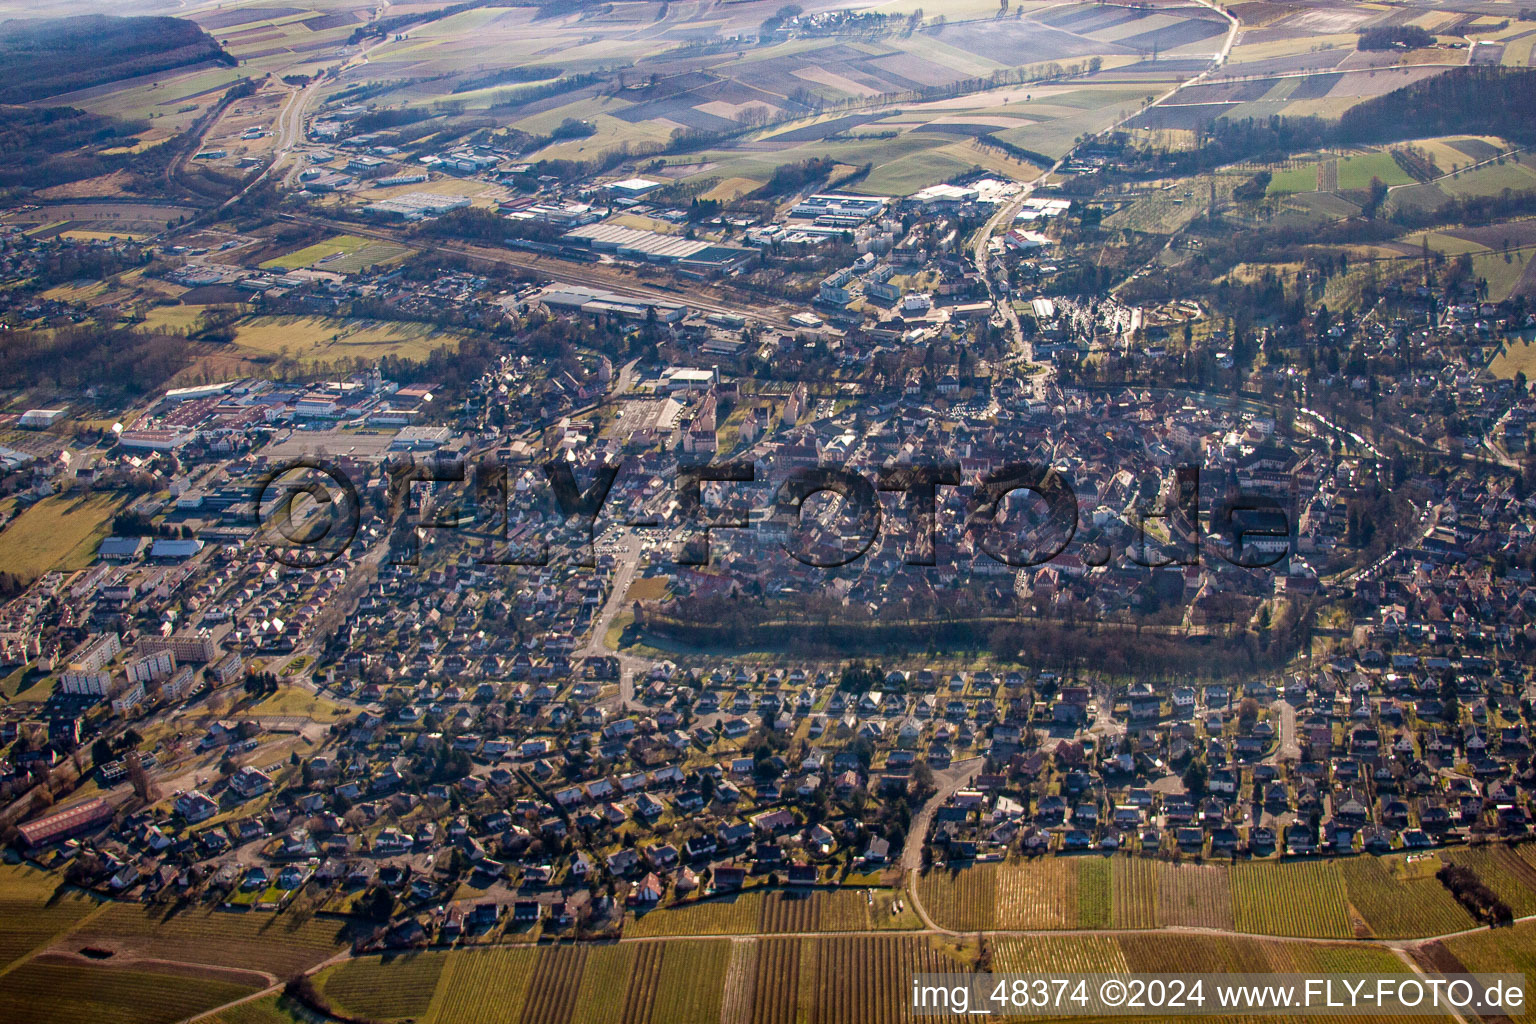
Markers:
(1303, 898)
(974, 898)
(778, 912)
(738, 914)
(1397, 907)
(1504, 871)
(605, 982)
(30, 915)
(268, 1010)
(552, 992)
(489, 986)
(1082, 892)
(692, 983)
(384, 987)
(282, 944)
(73, 994)
(1073, 954)
(853, 979)
(1093, 892)
(776, 987)
(1502, 950)
(1194, 895)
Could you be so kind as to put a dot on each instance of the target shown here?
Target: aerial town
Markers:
(705, 511)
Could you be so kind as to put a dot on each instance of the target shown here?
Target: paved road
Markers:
(951, 780)
(1287, 749)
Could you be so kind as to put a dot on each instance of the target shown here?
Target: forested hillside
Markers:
(50, 56)
(1474, 101)
(49, 145)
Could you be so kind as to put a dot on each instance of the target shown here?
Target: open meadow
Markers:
(59, 532)
(311, 339)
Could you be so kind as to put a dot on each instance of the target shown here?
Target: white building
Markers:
(40, 419)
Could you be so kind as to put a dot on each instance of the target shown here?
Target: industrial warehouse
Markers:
(651, 247)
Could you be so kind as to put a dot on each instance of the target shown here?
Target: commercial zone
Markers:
(652, 247)
(597, 301)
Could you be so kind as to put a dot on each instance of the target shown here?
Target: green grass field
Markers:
(1345, 173)
(1357, 170)
(1493, 179)
(311, 254)
(1293, 179)
(59, 532)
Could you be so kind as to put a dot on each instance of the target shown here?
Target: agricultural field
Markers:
(33, 910)
(1492, 951)
(1086, 954)
(1135, 892)
(690, 984)
(86, 994)
(811, 96)
(391, 987)
(1399, 899)
(737, 914)
(1093, 892)
(1349, 172)
(279, 944)
(1195, 895)
(1174, 206)
(489, 985)
(553, 988)
(267, 1010)
(971, 899)
(1030, 894)
(602, 996)
(1501, 869)
(59, 532)
(1301, 898)
(1082, 892)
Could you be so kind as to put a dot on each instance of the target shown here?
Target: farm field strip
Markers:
(1398, 908)
(1094, 899)
(1035, 894)
(1501, 869)
(553, 988)
(385, 987)
(691, 984)
(973, 898)
(1301, 898)
(249, 940)
(87, 994)
(490, 986)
